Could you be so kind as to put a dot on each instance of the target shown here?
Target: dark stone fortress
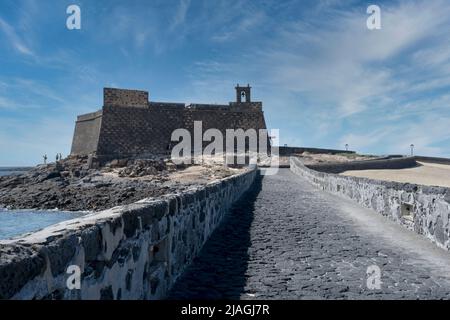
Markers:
(130, 125)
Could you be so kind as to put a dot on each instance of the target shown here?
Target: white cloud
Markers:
(427, 134)
(372, 86)
(180, 14)
(242, 27)
(28, 141)
(346, 64)
(16, 42)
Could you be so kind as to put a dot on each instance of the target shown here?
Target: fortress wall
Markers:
(130, 131)
(223, 120)
(423, 209)
(87, 132)
(135, 251)
(249, 106)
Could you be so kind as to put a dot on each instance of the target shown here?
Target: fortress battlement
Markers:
(140, 99)
(125, 97)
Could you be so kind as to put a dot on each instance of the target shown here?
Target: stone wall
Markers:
(131, 131)
(142, 131)
(130, 252)
(423, 209)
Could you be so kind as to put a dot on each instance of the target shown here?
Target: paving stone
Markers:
(286, 241)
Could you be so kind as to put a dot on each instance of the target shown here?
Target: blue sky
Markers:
(324, 78)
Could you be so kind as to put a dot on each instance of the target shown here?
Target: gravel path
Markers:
(288, 240)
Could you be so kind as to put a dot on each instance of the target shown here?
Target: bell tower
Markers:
(243, 94)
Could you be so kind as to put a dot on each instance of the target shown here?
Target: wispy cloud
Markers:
(14, 39)
(427, 135)
(180, 14)
(351, 64)
(6, 103)
(240, 28)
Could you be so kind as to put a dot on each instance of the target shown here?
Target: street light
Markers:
(412, 149)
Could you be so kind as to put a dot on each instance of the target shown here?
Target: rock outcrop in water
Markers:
(72, 184)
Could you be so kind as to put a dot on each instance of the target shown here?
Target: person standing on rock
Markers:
(45, 158)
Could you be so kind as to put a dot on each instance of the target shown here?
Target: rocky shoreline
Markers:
(73, 185)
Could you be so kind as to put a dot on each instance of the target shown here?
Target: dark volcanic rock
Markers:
(71, 185)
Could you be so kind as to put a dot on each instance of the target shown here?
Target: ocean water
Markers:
(17, 222)
(7, 171)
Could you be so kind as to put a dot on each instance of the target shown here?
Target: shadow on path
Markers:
(219, 270)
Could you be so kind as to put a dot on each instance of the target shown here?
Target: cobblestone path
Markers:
(288, 240)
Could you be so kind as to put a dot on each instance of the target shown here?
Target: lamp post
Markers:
(412, 149)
